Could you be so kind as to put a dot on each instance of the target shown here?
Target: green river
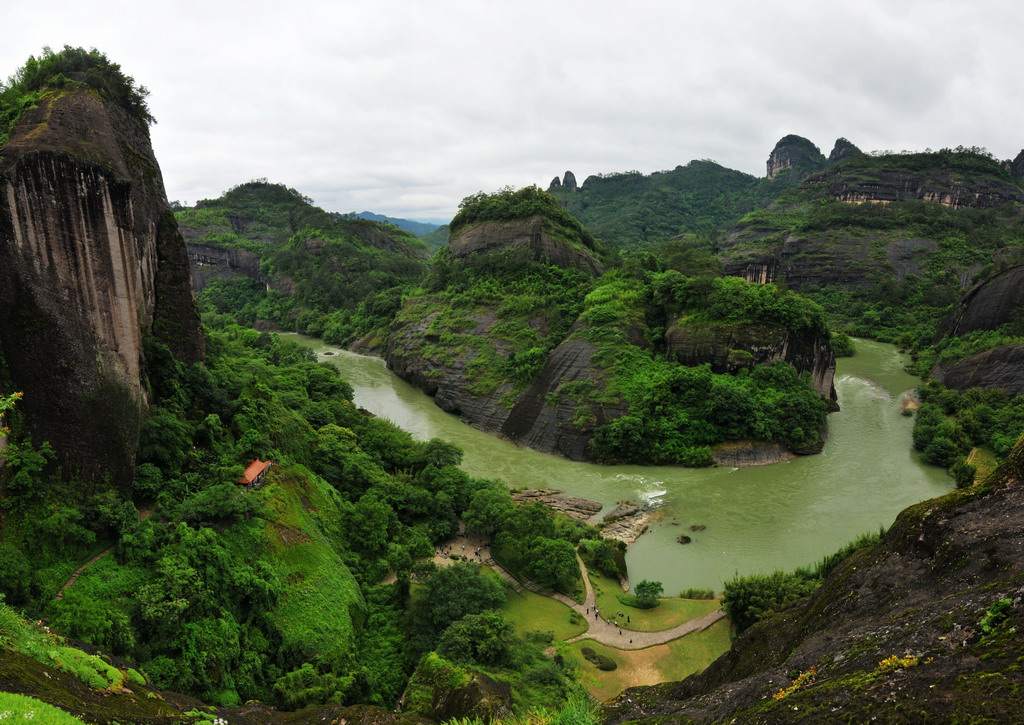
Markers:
(758, 519)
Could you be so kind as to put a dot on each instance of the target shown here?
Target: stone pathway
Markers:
(598, 629)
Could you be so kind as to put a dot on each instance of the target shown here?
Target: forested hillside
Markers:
(266, 255)
(521, 331)
(629, 210)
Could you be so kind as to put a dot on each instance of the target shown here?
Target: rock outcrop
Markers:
(1017, 165)
(925, 626)
(794, 153)
(1002, 367)
(945, 187)
(991, 303)
(579, 509)
(486, 237)
(569, 181)
(91, 262)
(535, 420)
(739, 454)
(208, 262)
(730, 348)
(842, 150)
(849, 255)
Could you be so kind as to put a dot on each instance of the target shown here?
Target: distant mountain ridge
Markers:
(409, 225)
(631, 209)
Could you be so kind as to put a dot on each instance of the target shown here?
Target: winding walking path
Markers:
(598, 629)
(143, 515)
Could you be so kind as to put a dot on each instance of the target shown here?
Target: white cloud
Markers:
(404, 107)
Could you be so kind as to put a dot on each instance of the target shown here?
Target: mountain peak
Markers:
(794, 152)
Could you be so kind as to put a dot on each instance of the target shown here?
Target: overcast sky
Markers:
(404, 107)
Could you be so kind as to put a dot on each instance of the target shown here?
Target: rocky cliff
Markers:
(207, 262)
(1001, 367)
(842, 226)
(794, 153)
(842, 151)
(491, 236)
(730, 348)
(91, 262)
(926, 626)
(536, 417)
(989, 304)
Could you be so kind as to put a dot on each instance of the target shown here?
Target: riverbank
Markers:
(756, 519)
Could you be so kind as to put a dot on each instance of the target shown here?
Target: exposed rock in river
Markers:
(627, 522)
(580, 509)
(750, 453)
(624, 509)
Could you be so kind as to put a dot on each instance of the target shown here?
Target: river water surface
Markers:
(757, 519)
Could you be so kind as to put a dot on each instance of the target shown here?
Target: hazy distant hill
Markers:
(631, 209)
(417, 228)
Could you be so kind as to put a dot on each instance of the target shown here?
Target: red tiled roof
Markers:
(255, 468)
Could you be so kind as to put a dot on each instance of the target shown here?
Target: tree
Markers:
(15, 574)
(489, 509)
(450, 594)
(647, 592)
(484, 639)
(6, 403)
(552, 563)
(749, 598)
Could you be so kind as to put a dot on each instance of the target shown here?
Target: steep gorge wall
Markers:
(728, 348)
(90, 263)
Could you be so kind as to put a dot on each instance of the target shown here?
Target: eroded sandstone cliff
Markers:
(833, 231)
(730, 348)
(487, 237)
(91, 262)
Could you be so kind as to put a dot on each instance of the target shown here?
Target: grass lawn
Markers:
(22, 708)
(985, 462)
(661, 663)
(529, 612)
(669, 613)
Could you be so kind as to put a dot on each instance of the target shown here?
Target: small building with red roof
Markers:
(253, 476)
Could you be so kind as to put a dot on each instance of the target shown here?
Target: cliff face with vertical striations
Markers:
(729, 348)
(91, 262)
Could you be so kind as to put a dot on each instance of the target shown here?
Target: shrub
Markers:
(602, 662)
(693, 593)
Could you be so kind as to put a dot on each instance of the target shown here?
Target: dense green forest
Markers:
(629, 210)
(276, 593)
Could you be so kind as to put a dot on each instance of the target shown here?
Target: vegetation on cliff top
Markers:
(510, 204)
(68, 68)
